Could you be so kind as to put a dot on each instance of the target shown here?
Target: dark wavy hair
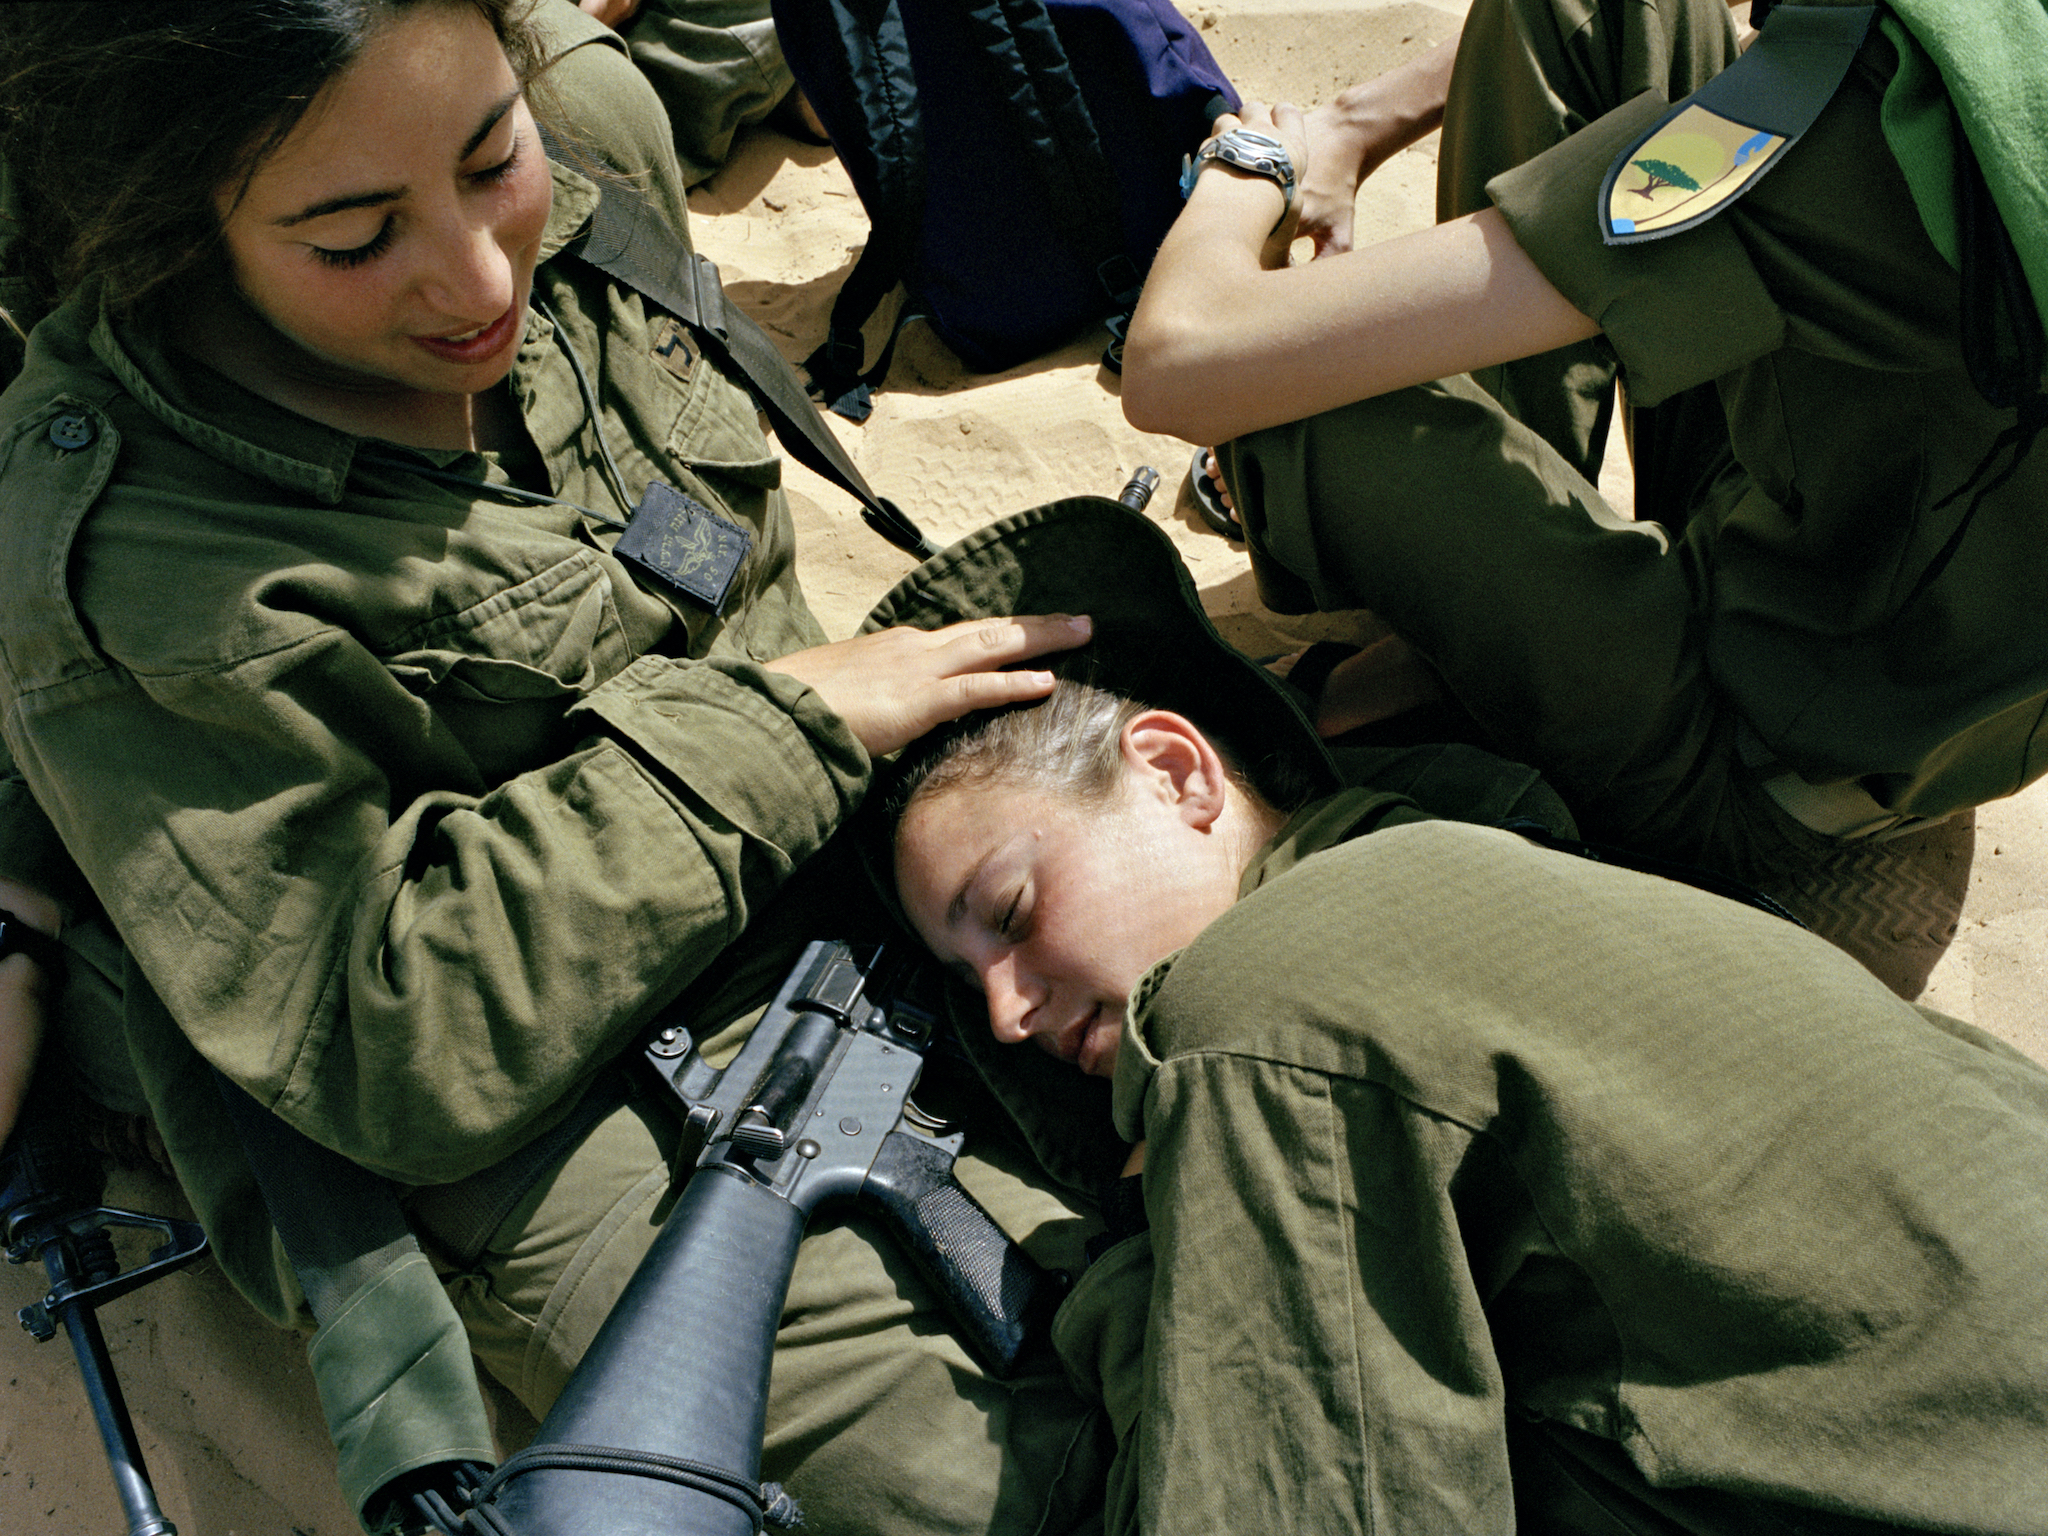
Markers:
(119, 123)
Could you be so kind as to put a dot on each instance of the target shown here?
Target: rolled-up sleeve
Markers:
(1679, 311)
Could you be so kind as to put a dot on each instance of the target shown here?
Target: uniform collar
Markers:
(1316, 826)
(251, 434)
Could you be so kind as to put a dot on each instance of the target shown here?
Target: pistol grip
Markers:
(1001, 1296)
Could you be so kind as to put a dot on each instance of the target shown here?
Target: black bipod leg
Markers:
(50, 1188)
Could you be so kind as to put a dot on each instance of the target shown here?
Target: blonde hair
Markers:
(1068, 744)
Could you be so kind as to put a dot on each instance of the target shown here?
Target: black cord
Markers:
(518, 494)
(765, 1504)
(590, 408)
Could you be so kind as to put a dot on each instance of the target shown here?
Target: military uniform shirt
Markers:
(1829, 323)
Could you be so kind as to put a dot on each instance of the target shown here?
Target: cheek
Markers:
(530, 200)
(322, 308)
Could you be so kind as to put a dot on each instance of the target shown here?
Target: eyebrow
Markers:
(320, 210)
(957, 908)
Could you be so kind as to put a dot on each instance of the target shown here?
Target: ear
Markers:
(1175, 763)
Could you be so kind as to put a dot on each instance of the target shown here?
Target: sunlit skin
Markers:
(383, 254)
(1054, 909)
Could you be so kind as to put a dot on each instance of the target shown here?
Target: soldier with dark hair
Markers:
(370, 778)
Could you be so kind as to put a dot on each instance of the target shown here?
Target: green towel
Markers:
(1986, 60)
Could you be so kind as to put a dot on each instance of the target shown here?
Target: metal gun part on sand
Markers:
(51, 1183)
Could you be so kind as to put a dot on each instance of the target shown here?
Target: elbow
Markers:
(1145, 404)
(1161, 382)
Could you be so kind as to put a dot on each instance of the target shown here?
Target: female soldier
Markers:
(1829, 635)
(1488, 1188)
(409, 800)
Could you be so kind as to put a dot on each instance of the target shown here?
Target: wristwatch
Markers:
(1248, 150)
(19, 938)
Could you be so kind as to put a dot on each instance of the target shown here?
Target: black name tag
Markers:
(685, 544)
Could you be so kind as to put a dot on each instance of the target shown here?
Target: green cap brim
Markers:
(1152, 640)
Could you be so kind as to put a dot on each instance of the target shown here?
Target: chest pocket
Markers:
(500, 674)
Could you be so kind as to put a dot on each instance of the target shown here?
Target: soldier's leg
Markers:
(1531, 73)
(717, 67)
(1560, 627)
(1568, 634)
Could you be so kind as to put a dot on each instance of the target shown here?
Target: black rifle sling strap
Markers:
(340, 1223)
(346, 1236)
(344, 1231)
(629, 240)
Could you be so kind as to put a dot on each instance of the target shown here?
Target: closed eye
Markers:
(356, 255)
(491, 175)
(1007, 919)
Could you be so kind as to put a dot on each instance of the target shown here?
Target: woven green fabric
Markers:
(1987, 61)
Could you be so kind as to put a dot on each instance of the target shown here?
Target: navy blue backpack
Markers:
(1018, 160)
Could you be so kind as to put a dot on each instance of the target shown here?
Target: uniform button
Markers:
(72, 431)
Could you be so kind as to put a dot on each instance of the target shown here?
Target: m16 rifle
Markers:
(658, 1432)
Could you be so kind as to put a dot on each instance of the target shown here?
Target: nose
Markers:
(1009, 1008)
(468, 274)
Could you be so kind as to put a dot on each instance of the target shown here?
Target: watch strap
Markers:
(1248, 150)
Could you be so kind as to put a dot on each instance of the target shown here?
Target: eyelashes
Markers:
(379, 243)
(356, 255)
(491, 175)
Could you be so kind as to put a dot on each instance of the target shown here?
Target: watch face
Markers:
(1250, 150)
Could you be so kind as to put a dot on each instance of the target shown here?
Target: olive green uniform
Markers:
(411, 806)
(1493, 1189)
(1798, 654)
(716, 66)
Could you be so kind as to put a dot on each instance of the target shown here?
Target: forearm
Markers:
(1367, 124)
(1221, 345)
(21, 1001)
(421, 979)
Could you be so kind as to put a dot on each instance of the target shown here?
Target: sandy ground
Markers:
(223, 1404)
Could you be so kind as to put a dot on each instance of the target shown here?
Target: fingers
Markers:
(892, 686)
(1333, 238)
(613, 13)
(1290, 127)
(980, 645)
(992, 690)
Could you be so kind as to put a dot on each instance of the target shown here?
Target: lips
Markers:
(468, 349)
(1088, 1041)
(1099, 1045)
